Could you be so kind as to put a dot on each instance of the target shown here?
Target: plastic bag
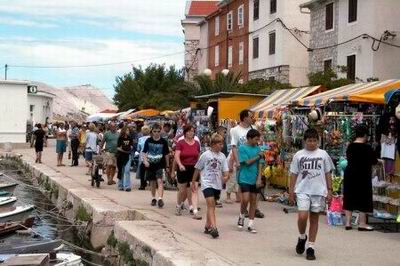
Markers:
(336, 204)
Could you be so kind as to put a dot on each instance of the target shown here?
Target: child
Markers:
(212, 167)
(155, 159)
(250, 159)
(232, 185)
(311, 182)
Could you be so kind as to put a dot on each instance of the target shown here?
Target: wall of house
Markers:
(43, 108)
(191, 43)
(289, 63)
(203, 53)
(236, 36)
(319, 37)
(14, 101)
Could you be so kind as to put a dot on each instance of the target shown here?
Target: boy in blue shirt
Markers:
(250, 159)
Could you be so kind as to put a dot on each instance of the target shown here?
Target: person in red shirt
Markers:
(187, 154)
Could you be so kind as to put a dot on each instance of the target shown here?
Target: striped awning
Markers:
(371, 92)
(280, 99)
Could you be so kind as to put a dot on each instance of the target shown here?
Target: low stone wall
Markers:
(148, 241)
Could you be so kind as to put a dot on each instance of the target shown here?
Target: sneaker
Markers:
(240, 222)
(218, 204)
(206, 230)
(191, 212)
(246, 214)
(178, 211)
(197, 216)
(251, 229)
(310, 254)
(214, 232)
(259, 214)
(153, 202)
(128, 190)
(301, 245)
(160, 203)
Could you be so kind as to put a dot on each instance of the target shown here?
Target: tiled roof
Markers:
(202, 8)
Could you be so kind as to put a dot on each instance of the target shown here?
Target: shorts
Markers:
(89, 155)
(185, 177)
(212, 192)
(153, 175)
(110, 159)
(232, 185)
(248, 188)
(61, 146)
(312, 203)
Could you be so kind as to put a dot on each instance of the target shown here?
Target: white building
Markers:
(274, 53)
(13, 108)
(40, 107)
(352, 30)
(195, 13)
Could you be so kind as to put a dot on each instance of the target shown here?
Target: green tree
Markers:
(153, 87)
(328, 78)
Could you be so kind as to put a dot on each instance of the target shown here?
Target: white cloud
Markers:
(26, 23)
(151, 16)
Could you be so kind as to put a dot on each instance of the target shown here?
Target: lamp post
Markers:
(207, 72)
(225, 72)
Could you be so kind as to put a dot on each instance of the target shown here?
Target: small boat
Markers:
(20, 213)
(61, 259)
(11, 227)
(7, 186)
(44, 246)
(7, 203)
(5, 194)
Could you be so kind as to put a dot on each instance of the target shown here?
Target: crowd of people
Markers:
(212, 162)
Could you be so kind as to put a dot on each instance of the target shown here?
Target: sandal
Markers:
(366, 229)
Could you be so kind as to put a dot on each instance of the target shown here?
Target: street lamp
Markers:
(207, 72)
(225, 72)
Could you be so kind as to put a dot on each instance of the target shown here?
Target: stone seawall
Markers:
(149, 242)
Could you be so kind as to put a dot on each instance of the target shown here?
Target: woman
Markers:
(61, 143)
(187, 154)
(39, 139)
(125, 145)
(388, 147)
(357, 186)
(91, 147)
(145, 132)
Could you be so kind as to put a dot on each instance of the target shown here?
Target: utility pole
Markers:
(5, 71)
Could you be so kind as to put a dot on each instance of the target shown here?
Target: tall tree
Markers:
(153, 87)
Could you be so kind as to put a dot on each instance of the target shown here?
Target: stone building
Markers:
(349, 33)
(274, 53)
(195, 13)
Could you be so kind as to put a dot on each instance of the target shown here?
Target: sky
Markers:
(77, 33)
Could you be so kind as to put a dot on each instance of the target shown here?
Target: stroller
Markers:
(97, 170)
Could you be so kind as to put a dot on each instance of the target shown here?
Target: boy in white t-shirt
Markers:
(213, 169)
(311, 182)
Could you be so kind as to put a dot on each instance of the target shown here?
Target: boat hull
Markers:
(7, 204)
(19, 214)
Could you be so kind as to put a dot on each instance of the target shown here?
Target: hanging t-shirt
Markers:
(310, 168)
(212, 166)
(156, 151)
(248, 173)
(189, 153)
(388, 147)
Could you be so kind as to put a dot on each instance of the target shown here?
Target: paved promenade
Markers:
(273, 244)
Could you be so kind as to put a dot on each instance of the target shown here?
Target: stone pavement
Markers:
(272, 245)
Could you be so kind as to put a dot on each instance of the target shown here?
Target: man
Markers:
(238, 137)
(165, 133)
(74, 138)
(110, 139)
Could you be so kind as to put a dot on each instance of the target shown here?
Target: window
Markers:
(240, 16)
(241, 53)
(230, 50)
(271, 78)
(272, 6)
(272, 41)
(216, 26)
(329, 16)
(31, 107)
(216, 55)
(256, 9)
(327, 64)
(255, 48)
(352, 10)
(351, 67)
(229, 21)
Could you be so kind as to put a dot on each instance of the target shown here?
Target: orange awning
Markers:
(145, 113)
